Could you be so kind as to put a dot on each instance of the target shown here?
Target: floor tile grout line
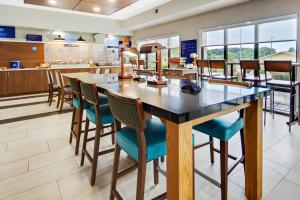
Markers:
(59, 189)
(19, 159)
(52, 164)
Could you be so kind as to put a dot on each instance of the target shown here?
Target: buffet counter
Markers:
(34, 80)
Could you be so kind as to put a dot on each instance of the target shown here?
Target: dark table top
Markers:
(171, 103)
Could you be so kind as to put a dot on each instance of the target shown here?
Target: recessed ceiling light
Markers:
(96, 9)
(52, 2)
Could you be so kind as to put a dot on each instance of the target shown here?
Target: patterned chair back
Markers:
(126, 110)
(90, 93)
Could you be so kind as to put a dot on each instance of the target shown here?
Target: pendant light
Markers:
(59, 38)
(80, 39)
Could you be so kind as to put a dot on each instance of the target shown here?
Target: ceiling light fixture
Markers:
(96, 9)
(52, 2)
(59, 38)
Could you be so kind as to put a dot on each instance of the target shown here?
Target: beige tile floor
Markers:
(37, 163)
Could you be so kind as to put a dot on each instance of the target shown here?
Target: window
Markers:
(270, 40)
(277, 40)
(240, 42)
(265, 41)
(171, 45)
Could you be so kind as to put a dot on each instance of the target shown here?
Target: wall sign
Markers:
(7, 32)
(187, 48)
(36, 38)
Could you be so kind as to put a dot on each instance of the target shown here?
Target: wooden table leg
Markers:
(180, 181)
(253, 150)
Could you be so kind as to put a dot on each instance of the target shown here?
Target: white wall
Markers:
(188, 28)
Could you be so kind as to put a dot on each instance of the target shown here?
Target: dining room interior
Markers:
(149, 99)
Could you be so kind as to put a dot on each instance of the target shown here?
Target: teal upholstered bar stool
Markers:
(99, 114)
(223, 128)
(79, 104)
(144, 140)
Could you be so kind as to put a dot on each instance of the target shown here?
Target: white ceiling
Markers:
(139, 15)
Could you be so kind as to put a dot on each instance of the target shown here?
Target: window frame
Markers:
(161, 37)
(256, 42)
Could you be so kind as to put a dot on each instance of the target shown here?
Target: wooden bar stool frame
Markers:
(62, 91)
(223, 151)
(282, 86)
(220, 64)
(52, 87)
(76, 131)
(201, 64)
(141, 164)
(251, 65)
(91, 96)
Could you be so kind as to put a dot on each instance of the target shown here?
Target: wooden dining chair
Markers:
(217, 65)
(144, 140)
(62, 90)
(223, 128)
(52, 88)
(288, 86)
(99, 114)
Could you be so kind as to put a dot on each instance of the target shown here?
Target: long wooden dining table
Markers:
(181, 111)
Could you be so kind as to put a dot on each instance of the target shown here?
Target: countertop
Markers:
(56, 68)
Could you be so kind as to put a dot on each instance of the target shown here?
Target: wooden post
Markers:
(158, 53)
(180, 172)
(122, 63)
(253, 150)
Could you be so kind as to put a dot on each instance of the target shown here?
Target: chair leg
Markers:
(140, 190)
(156, 173)
(51, 98)
(224, 169)
(291, 111)
(58, 98)
(243, 145)
(113, 127)
(299, 104)
(95, 155)
(86, 130)
(115, 172)
(62, 101)
(49, 94)
(211, 147)
(72, 125)
(78, 134)
(265, 112)
(273, 104)
(162, 159)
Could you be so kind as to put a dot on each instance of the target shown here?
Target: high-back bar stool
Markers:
(254, 66)
(223, 128)
(220, 65)
(100, 115)
(288, 86)
(62, 91)
(79, 104)
(52, 87)
(201, 66)
(144, 140)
